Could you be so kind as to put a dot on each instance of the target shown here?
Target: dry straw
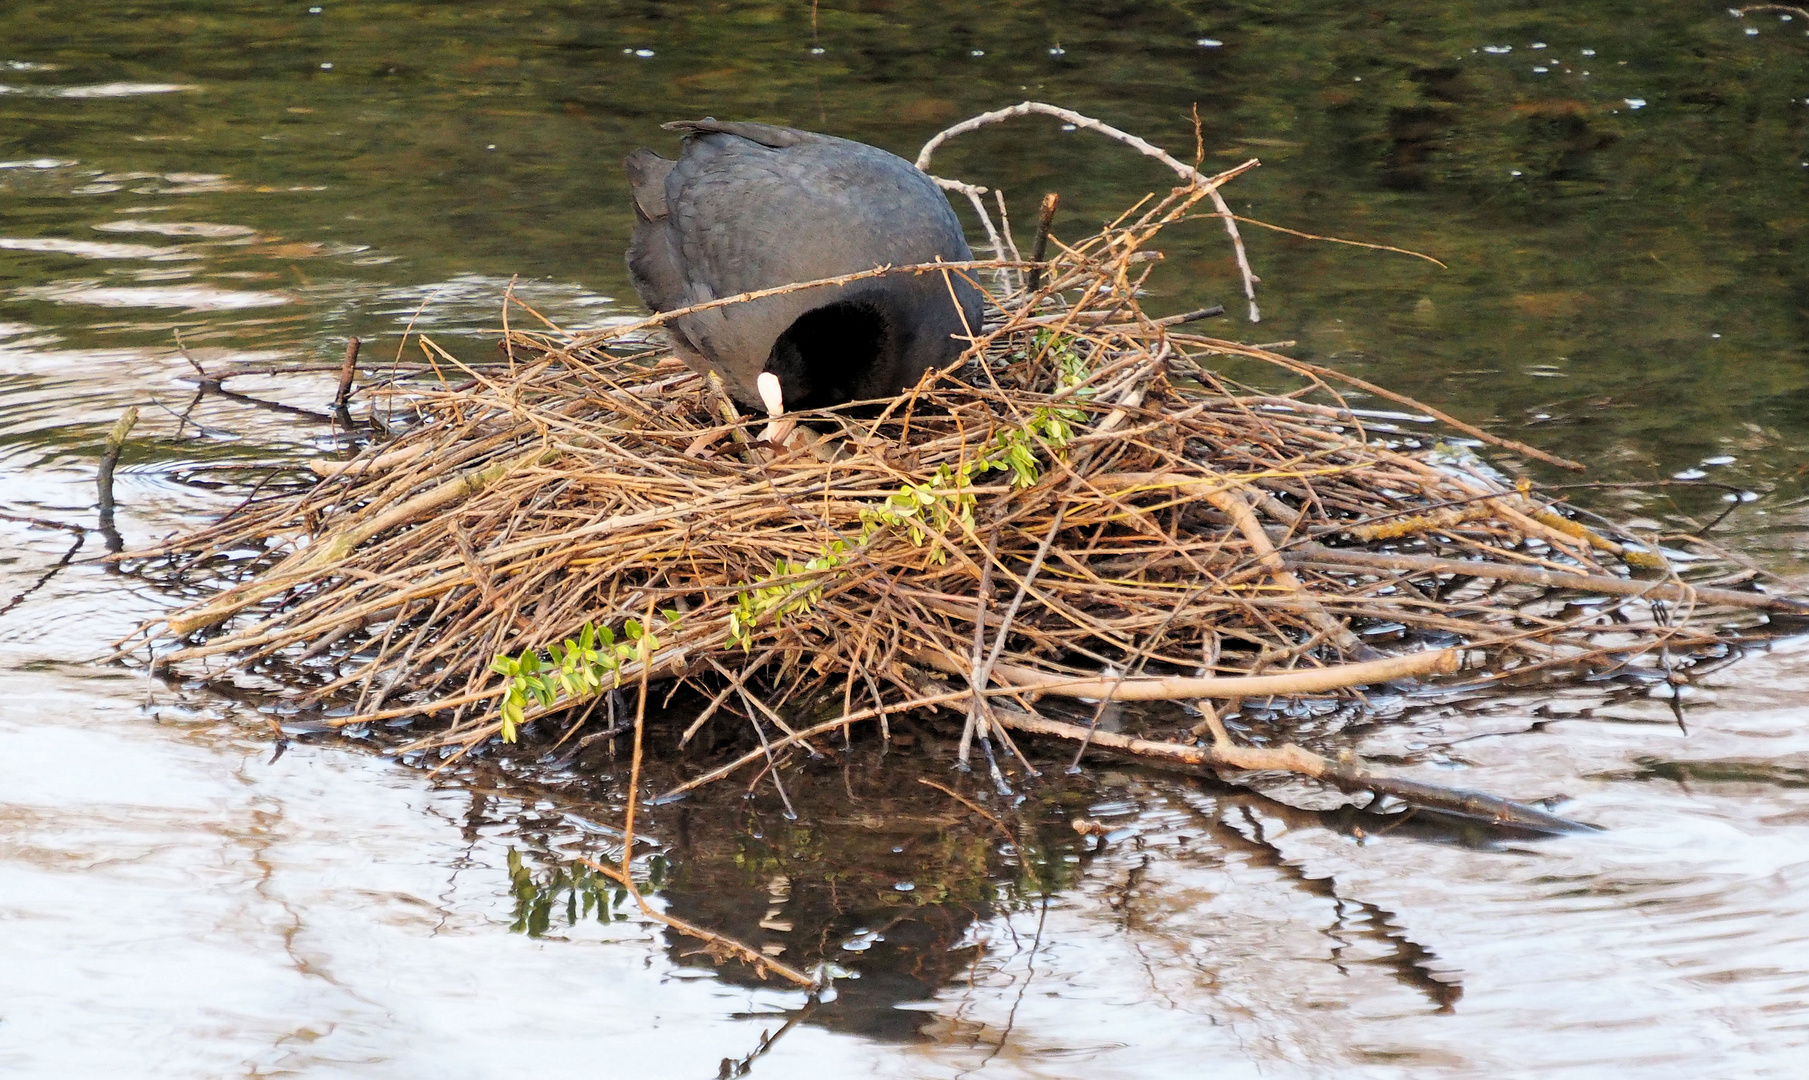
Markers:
(1082, 508)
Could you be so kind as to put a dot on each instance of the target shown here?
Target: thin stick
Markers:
(973, 194)
(116, 441)
(664, 317)
(1339, 240)
(634, 767)
(1045, 220)
(977, 708)
(346, 372)
(1011, 244)
(981, 676)
(1345, 776)
(1443, 418)
(1231, 505)
(1182, 688)
(759, 961)
(1306, 554)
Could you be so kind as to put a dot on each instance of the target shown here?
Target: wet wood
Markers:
(1318, 556)
(1346, 775)
(1184, 688)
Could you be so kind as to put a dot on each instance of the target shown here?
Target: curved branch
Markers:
(1182, 169)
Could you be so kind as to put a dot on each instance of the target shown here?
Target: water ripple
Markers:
(98, 90)
(188, 297)
(90, 249)
(210, 229)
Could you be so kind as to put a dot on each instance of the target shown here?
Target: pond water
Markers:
(1621, 194)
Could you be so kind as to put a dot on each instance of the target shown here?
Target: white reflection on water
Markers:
(179, 906)
(189, 297)
(211, 229)
(86, 249)
(99, 90)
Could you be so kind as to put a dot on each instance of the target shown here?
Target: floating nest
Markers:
(1083, 509)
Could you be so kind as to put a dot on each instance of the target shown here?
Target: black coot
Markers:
(750, 206)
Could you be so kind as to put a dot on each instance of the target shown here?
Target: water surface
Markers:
(1619, 194)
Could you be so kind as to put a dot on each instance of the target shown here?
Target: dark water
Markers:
(1621, 194)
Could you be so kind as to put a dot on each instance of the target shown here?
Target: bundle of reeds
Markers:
(1083, 508)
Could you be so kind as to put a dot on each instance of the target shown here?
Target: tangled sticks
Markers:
(1083, 509)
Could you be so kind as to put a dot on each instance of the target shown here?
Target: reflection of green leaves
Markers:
(964, 865)
(576, 668)
(583, 891)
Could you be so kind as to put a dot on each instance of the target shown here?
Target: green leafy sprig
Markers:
(776, 597)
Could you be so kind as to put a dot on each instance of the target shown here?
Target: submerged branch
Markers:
(1345, 775)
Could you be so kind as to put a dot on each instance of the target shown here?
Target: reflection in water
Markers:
(1189, 877)
(87, 249)
(577, 892)
(176, 228)
(189, 297)
(104, 90)
(268, 182)
(1407, 960)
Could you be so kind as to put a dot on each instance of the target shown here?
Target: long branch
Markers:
(1342, 775)
(1185, 171)
(1317, 555)
(1183, 688)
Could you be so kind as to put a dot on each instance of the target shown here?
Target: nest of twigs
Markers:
(1082, 508)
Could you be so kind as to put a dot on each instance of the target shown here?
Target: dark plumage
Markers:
(750, 206)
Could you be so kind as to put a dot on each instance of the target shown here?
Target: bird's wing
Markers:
(732, 209)
(654, 266)
(769, 135)
(653, 259)
(647, 173)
